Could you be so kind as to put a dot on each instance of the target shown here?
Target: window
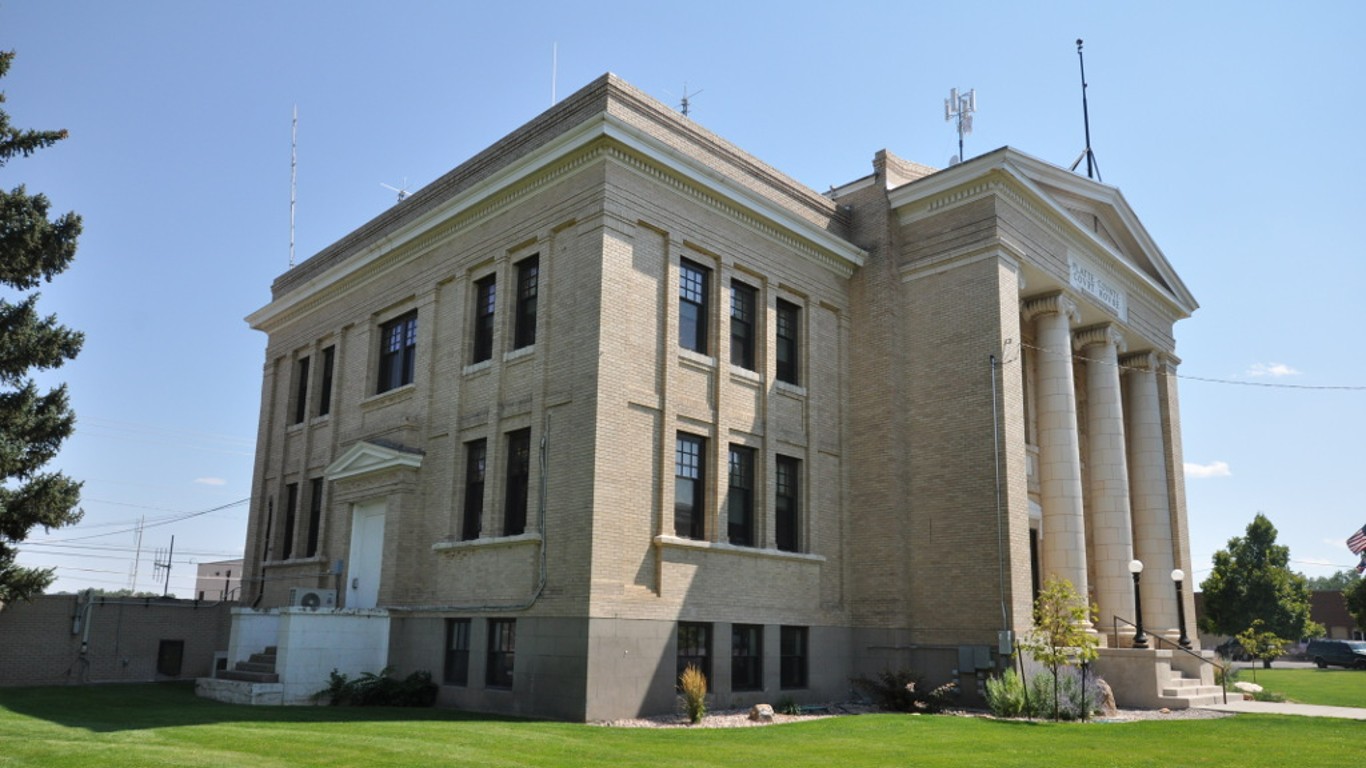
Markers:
(742, 325)
(476, 454)
(689, 483)
(301, 390)
(786, 505)
(694, 648)
(792, 650)
(502, 652)
(789, 318)
(397, 352)
(485, 293)
(518, 475)
(291, 511)
(740, 498)
(325, 386)
(692, 307)
(457, 671)
(315, 515)
(528, 285)
(746, 657)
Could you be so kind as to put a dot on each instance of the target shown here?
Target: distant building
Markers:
(219, 581)
(613, 397)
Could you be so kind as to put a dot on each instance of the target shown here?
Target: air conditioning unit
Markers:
(313, 599)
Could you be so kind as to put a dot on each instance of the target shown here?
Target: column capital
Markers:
(1050, 304)
(1144, 361)
(1094, 335)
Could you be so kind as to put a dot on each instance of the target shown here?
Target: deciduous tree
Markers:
(1252, 580)
(33, 423)
(1356, 602)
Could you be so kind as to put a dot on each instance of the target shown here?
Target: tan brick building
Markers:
(613, 396)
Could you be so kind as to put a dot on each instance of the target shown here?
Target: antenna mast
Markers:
(960, 107)
(157, 565)
(1091, 164)
(687, 96)
(293, 174)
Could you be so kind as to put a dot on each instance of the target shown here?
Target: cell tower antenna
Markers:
(684, 106)
(1091, 165)
(293, 177)
(960, 107)
(158, 565)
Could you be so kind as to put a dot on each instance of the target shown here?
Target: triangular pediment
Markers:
(366, 458)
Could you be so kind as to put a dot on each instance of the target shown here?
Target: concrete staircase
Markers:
(260, 668)
(253, 682)
(1184, 692)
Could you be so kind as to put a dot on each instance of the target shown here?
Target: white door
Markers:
(367, 555)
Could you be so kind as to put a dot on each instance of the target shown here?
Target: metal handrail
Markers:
(1223, 670)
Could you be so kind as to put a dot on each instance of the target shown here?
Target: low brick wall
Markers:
(126, 640)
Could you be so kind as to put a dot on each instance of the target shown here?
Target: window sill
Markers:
(388, 396)
(745, 375)
(315, 559)
(731, 549)
(697, 359)
(491, 542)
(792, 390)
(518, 354)
(479, 367)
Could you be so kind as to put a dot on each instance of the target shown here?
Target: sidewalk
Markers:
(1281, 708)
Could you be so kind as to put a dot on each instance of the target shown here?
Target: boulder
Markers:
(1107, 698)
(762, 713)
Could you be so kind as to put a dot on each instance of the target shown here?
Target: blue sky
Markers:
(1233, 130)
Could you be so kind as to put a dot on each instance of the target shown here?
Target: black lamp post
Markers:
(1178, 576)
(1140, 639)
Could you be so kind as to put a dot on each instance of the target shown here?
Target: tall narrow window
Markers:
(692, 306)
(502, 652)
(325, 386)
(457, 671)
(291, 512)
(792, 644)
(301, 390)
(518, 476)
(789, 323)
(689, 477)
(746, 657)
(485, 294)
(528, 286)
(786, 506)
(740, 497)
(397, 352)
(476, 453)
(742, 325)
(694, 648)
(315, 515)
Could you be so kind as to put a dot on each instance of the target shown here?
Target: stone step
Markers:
(254, 666)
(261, 658)
(248, 677)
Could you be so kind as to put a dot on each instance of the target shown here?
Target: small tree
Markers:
(1261, 644)
(1060, 637)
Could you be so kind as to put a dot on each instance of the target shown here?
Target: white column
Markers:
(1148, 496)
(1107, 474)
(1063, 550)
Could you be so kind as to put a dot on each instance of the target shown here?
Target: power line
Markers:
(177, 519)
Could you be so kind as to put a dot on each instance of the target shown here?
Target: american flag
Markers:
(1357, 541)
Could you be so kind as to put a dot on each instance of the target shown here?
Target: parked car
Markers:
(1339, 653)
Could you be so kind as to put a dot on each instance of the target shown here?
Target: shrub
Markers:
(1006, 695)
(694, 686)
(380, 690)
(905, 691)
(788, 706)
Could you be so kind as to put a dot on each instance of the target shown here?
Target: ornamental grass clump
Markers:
(693, 684)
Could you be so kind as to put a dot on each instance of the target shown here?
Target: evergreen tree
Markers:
(33, 424)
(1252, 580)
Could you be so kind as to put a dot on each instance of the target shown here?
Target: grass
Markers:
(1331, 687)
(166, 725)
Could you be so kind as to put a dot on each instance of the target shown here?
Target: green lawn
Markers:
(165, 725)
(1332, 687)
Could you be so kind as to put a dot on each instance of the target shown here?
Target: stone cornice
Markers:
(1055, 303)
(1093, 335)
